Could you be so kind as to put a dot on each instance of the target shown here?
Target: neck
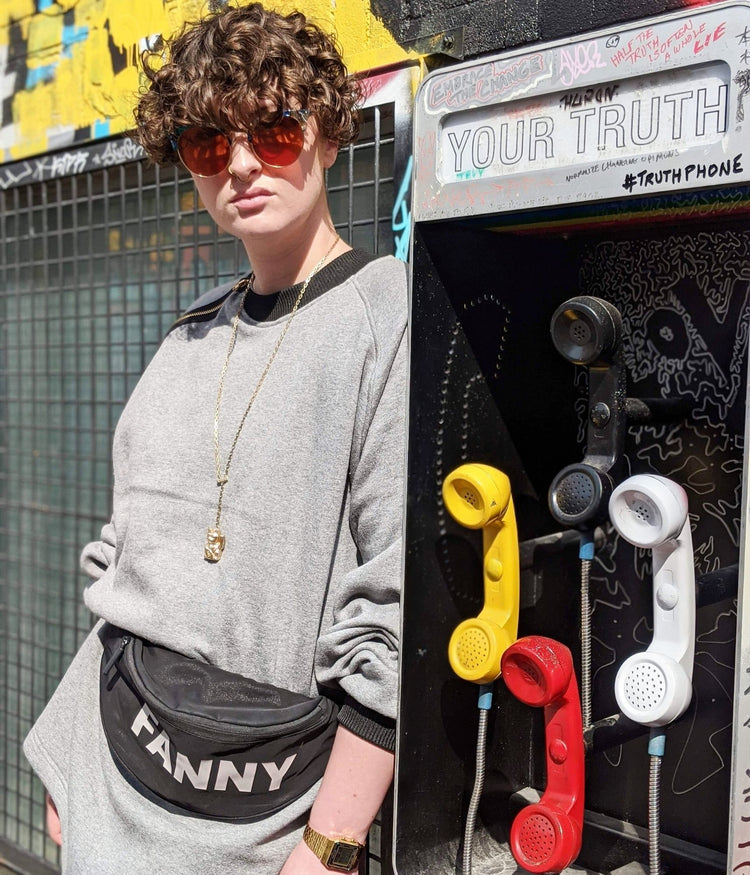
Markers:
(285, 264)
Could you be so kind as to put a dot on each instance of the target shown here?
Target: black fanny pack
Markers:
(206, 742)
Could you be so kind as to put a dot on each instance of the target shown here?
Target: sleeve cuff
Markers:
(368, 724)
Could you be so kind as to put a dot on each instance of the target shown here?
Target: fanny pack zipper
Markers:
(217, 730)
(117, 655)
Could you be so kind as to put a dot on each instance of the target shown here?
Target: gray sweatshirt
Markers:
(306, 595)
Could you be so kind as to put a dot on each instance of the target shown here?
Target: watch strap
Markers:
(340, 855)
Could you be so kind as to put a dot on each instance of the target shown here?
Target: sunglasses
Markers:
(207, 151)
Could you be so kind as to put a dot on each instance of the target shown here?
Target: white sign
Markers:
(656, 106)
(676, 109)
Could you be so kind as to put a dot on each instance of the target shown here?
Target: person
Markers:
(258, 473)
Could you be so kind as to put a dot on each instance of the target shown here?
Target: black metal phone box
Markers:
(610, 167)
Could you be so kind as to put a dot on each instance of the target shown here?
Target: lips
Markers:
(251, 198)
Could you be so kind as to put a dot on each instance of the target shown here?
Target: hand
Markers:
(54, 829)
(302, 861)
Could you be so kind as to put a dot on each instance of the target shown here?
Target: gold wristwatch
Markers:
(341, 855)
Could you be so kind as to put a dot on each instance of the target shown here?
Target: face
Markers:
(274, 206)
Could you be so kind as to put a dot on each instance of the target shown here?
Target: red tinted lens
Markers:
(280, 145)
(203, 151)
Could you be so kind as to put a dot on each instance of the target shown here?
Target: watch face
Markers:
(343, 856)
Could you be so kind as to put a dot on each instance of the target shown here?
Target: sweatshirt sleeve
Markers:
(97, 556)
(358, 652)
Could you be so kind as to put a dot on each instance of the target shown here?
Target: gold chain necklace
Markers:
(215, 538)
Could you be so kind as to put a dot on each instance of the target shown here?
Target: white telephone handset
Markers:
(655, 687)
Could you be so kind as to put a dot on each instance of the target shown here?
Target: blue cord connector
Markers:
(485, 697)
(657, 741)
(586, 546)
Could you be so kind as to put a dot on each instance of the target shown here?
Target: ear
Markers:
(329, 153)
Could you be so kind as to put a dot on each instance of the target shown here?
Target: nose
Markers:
(243, 161)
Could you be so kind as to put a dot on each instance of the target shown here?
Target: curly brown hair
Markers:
(241, 66)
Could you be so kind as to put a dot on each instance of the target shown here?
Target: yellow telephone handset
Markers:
(478, 496)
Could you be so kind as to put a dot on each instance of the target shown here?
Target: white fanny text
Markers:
(211, 774)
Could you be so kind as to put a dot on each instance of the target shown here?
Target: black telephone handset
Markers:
(587, 331)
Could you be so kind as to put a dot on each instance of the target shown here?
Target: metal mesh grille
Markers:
(93, 269)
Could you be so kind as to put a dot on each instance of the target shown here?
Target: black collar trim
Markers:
(267, 308)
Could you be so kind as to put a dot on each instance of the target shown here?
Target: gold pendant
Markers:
(215, 543)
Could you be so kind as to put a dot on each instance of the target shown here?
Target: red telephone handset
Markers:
(546, 836)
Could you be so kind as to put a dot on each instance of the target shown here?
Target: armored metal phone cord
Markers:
(484, 703)
(586, 555)
(656, 744)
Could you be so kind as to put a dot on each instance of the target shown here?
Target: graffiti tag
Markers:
(68, 163)
(483, 84)
(15, 175)
(119, 151)
(648, 45)
(602, 94)
(63, 164)
(401, 216)
(578, 61)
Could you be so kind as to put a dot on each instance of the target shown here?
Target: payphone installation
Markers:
(628, 196)
(653, 688)
(649, 511)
